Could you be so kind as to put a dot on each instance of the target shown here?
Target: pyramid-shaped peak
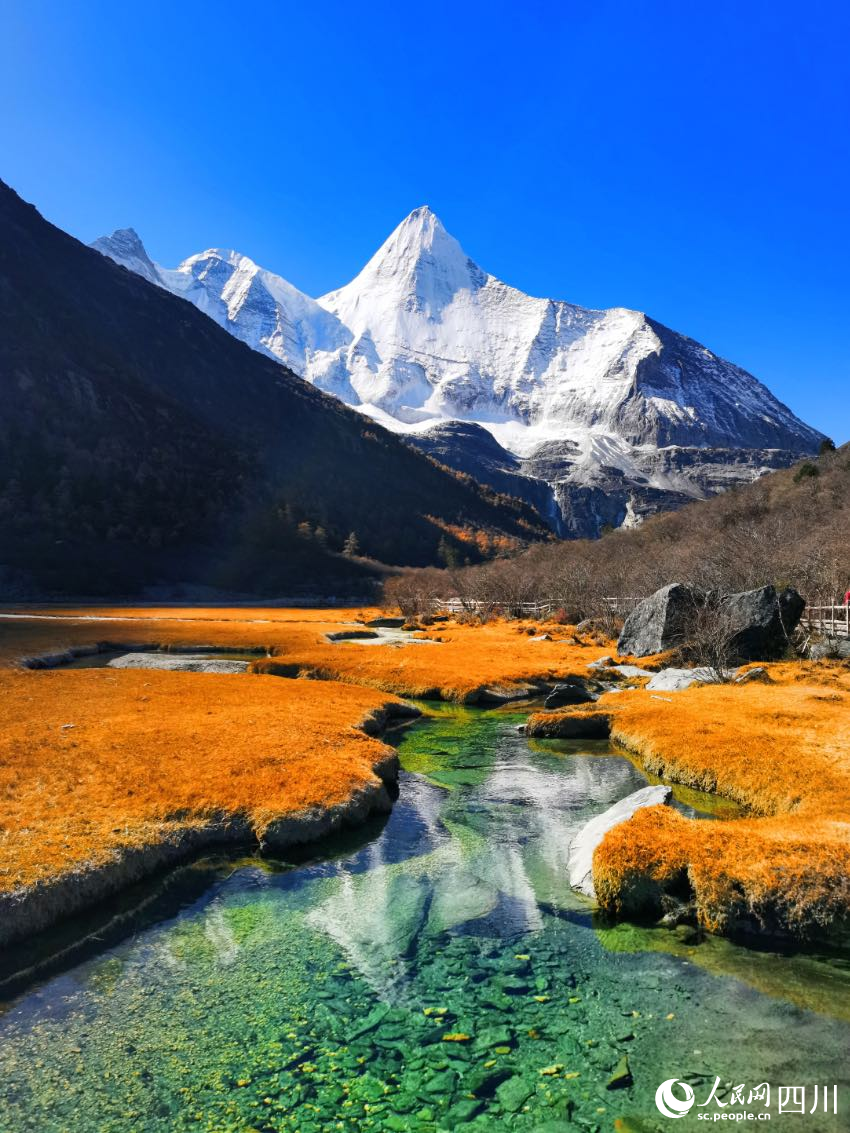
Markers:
(125, 247)
(419, 243)
(420, 267)
(423, 215)
(128, 234)
(127, 239)
(420, 226)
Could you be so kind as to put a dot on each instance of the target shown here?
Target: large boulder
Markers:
(761, 621)
(661, 621)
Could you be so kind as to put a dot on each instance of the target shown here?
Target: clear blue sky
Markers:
(688, 159)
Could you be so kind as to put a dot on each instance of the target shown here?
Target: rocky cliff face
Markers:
(599, 407)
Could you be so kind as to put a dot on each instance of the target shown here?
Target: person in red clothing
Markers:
(847, 598)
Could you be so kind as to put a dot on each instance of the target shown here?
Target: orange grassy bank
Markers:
(466, 660)
(780, 749)
(106, 775)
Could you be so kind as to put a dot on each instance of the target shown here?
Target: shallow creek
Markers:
(431, 973)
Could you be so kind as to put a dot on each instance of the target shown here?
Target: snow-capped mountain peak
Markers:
(125, 247)
(420, 267)
(613, 413)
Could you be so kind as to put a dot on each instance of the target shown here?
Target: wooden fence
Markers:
(831, 620)
(521, 609)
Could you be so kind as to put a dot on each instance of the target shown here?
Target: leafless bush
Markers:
(776, 530)
(709, 632)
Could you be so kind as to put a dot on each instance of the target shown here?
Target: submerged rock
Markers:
(514, 1093)
(592, 833)
(621, 1079)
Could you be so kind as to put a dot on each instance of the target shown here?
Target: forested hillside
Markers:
(140, 442)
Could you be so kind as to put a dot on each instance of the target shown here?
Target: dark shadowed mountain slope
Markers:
(139, 441)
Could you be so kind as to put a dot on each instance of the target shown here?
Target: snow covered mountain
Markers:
(597, 417)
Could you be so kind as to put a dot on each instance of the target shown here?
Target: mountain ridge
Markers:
(139, 441)
(422, 336)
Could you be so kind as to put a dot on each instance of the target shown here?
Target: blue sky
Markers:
(690, 160)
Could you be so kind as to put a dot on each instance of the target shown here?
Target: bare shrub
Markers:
(709, 637)
(775, 530)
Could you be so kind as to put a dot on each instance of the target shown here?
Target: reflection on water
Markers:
(439, 975)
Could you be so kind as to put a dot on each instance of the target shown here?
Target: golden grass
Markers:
(469, 656)
(782, 750)
(96, 761)
(54, 628)
(196, 743)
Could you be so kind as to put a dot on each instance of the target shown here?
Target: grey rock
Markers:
(674, 680)
(177, 663)
(661, 621)
(596, 726)
(758, 674)
(352, 635)
(761, 621)
(503, 694)
(758, 622)
(385, 623)
(592, 833)
(629, 671)
(835, 648)
(571, 692)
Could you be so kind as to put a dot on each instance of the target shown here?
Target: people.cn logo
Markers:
(668, 1103)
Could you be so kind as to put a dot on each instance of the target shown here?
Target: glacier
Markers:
(597, 418)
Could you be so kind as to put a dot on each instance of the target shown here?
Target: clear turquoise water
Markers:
(317, 995)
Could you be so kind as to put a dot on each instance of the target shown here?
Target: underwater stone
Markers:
(514, 1093)
(622, 1076)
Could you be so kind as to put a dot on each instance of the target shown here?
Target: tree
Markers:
(826, 445)
(446, 553)
(351, 547)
